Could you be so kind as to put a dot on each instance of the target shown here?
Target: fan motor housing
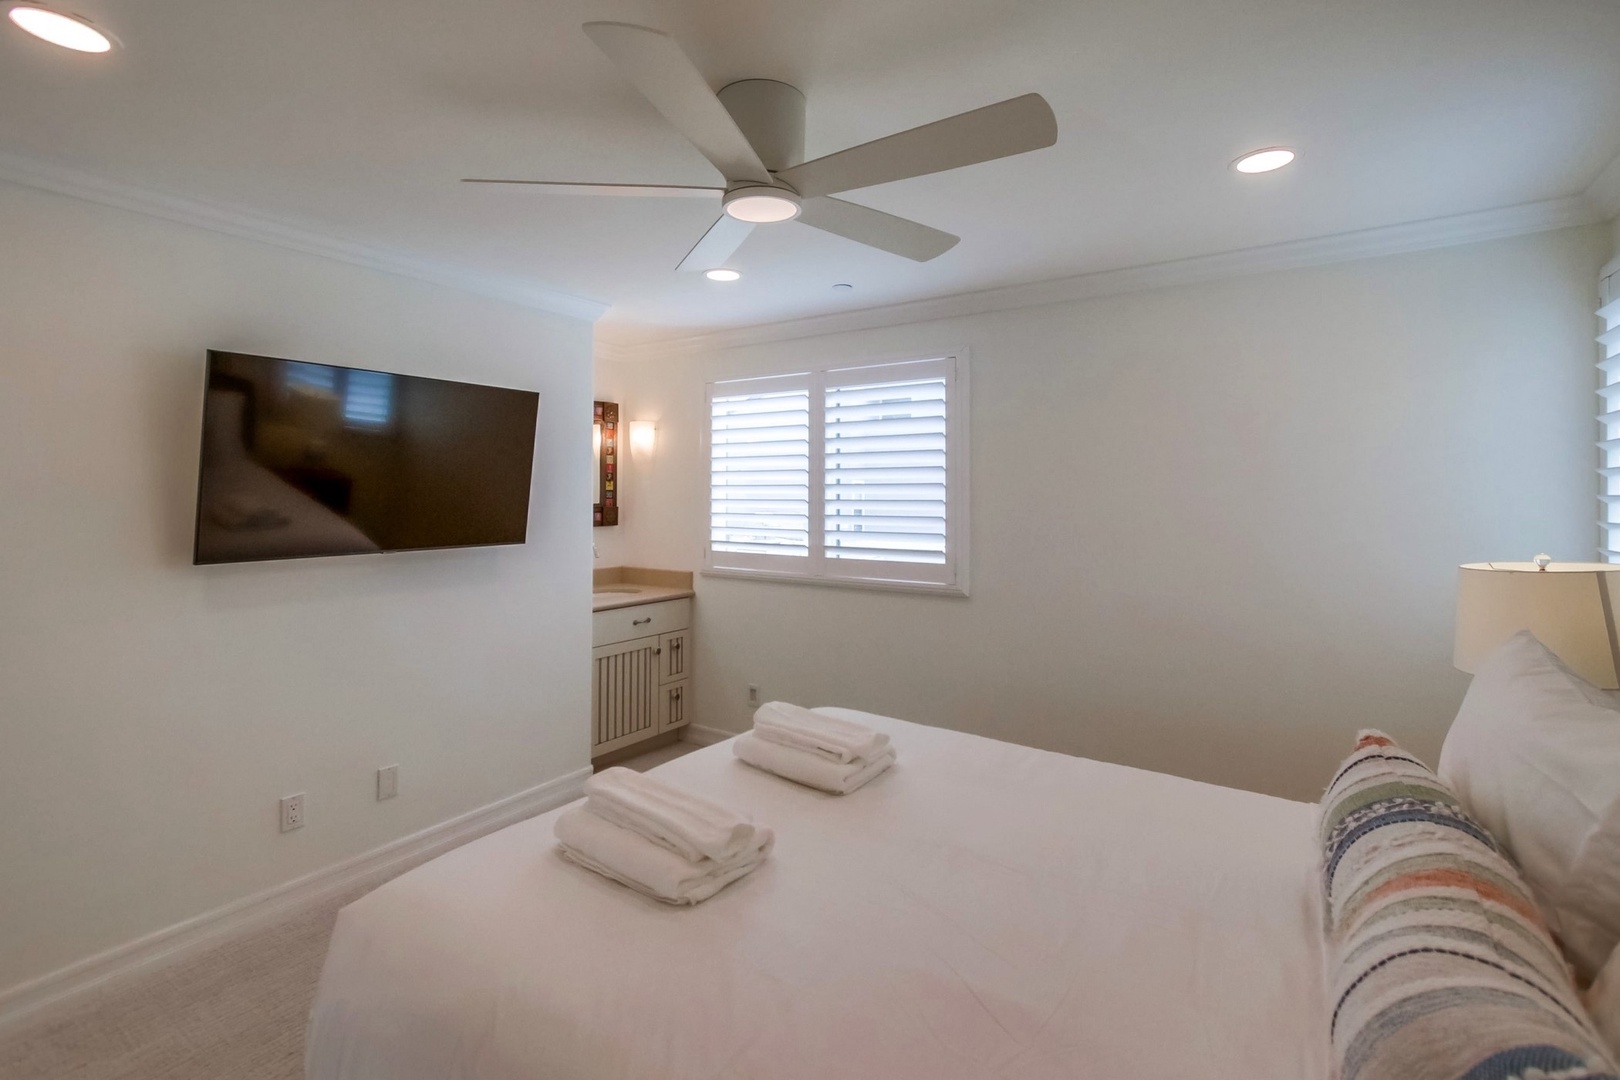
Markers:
(770, 115)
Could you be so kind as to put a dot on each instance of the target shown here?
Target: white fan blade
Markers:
(656, 66)
(995, 131)
(724, 237)
(560, 187)
(876, 229)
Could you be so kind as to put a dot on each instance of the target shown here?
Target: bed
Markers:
(982, 910)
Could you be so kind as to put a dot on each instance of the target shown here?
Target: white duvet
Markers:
(982, 910)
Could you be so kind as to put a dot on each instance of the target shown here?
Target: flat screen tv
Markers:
(300, 460)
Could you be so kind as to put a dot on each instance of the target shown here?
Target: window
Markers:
(1609, 418)
(847, 475)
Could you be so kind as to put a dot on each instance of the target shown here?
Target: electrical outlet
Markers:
(753, 695)
(387, 782)
(292, 812)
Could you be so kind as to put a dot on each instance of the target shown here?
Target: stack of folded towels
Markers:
(661, 841)
(814, 749)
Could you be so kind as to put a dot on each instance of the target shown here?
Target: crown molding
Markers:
(1600, 202)
(1604, 194)
(47, 176)
(619, 353)
(1296, 254)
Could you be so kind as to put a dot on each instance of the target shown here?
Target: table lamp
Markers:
(1566, 605)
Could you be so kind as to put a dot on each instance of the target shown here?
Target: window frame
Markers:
(949, 578)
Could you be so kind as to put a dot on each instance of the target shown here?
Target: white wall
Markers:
(1215, 528)
(152, 712)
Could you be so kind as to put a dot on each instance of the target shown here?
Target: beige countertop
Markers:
(628, 586)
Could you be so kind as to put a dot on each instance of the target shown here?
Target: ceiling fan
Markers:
(752, 131)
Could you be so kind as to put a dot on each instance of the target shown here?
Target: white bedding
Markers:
(982, 910)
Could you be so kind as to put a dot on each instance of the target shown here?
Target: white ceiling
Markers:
(356, 119)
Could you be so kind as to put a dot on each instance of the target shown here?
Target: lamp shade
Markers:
(643, 438)
(1565, 605)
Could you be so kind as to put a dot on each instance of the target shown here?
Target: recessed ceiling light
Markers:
(68, 31)
(721, 274)
(1273, 157)
(760, 204)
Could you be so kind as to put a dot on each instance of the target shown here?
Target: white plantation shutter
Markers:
(759, 470)
(887, 465)
(881, 501)
(1609, 419)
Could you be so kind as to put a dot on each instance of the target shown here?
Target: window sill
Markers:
(871, 584)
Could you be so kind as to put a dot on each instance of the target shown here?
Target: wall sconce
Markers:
(643, 439)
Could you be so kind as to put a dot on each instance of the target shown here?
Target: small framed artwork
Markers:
(605, 439)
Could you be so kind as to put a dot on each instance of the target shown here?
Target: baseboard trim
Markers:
(704, 736)
(61, 988)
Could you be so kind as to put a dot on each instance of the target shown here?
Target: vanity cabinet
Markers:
(641, 668)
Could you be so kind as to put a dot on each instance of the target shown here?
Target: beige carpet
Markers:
(235, 1012)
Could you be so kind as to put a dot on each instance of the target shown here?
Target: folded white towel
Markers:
(808, 768)
(831, 737)
(644, 866)
(687, 824)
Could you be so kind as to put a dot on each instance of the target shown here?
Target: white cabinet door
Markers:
(625, 696)
(672, 701)
(674, 660)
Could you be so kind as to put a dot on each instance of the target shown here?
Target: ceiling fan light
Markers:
(68, 31)
(720, 273)
(1262, 161)
(760, 205)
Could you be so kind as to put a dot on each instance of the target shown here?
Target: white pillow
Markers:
(1603, 1001)
(1534, 754)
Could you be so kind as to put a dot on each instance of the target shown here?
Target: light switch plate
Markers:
(387, 782)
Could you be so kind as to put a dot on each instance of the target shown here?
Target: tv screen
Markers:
(305, 459)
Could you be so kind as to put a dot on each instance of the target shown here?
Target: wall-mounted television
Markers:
(301, 459)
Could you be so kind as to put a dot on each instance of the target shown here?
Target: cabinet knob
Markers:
(641, 622)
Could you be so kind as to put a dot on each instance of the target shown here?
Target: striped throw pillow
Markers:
(1440, 967)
